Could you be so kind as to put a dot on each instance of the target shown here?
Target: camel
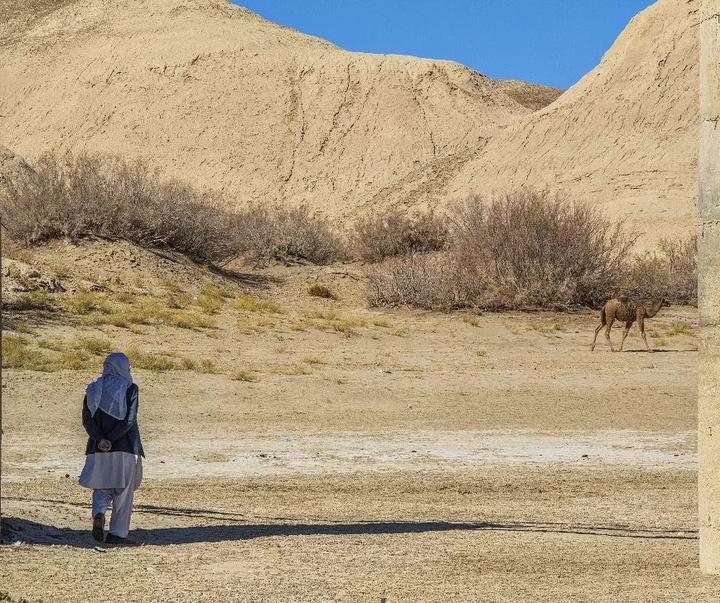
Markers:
(627, 310)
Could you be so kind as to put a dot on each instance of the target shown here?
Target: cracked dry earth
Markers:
(431, 458)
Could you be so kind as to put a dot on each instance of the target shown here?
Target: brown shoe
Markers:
(98, 529)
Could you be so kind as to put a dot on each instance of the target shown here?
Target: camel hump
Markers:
(623, 299)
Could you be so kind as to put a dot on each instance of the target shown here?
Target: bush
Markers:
(532, 249)
(670, 272)
(394, 233)
(423, 281)
(525, 249)
(287, 234)
(105, 196)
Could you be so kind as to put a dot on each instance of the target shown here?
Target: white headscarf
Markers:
(108, 391)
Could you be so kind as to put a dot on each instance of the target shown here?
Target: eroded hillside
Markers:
(212, 93)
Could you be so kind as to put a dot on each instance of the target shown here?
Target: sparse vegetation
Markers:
(76, 196)
(243, 375)
(211, 299)
(395, 232)
(94, 345)
(318, 290)
(525, 249)
(38, 300)
(150, 361)
(248, 303)
(84, 302)
(208, 366)
(671, 272)
(18, 353)
(313, 360)
(424, 281)
(680, 327)
(287, 234)
(295, 370)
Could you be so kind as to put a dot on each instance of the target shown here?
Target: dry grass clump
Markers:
(287, 234)
(313, 360)
(208, 366)
(395, 232)
(293, 370)
(248, 376)
(94, 345)
(150, 361)
(331, 321)
(104, 195)
(84, 302)
(126, 312)
(38, 300)
(323, 291)
(211, 299)
(18, 353)
(247, 303)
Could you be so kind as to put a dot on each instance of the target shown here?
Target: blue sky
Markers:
(552, 42)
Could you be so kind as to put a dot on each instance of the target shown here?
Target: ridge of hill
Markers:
(531, 96)
(624, 137)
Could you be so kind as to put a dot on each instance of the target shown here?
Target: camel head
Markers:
(654, 306)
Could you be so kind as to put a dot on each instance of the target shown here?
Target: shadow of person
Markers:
(17, 529)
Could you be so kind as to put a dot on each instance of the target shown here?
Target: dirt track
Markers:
(431, 458)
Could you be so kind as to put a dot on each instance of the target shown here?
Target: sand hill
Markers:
(212, 93)
(624, 137)
(209, 91)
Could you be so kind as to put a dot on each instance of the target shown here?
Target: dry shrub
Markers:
(670, 272)
(318, 290)
(529, 248)
(393, 232)
(103, 195)
(426, 281)
(287, 234)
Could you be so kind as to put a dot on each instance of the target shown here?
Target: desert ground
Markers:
(333, 452)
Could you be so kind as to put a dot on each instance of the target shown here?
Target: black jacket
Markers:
(123, 433)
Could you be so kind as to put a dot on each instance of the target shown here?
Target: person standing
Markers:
(114, 452)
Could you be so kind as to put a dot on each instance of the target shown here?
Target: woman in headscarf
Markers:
(113, 461)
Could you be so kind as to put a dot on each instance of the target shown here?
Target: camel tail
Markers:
(603, 318)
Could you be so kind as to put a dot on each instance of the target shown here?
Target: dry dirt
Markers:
(398, 456)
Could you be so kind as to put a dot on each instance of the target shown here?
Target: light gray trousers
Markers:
(122, 502)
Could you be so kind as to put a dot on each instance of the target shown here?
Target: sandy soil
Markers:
(414, 457)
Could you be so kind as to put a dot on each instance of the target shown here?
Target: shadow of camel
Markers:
(658, 351)
(17, 529)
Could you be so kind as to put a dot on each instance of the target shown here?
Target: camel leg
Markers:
(610, 322)
(625, 332)
(600, 326)
(641, 326)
